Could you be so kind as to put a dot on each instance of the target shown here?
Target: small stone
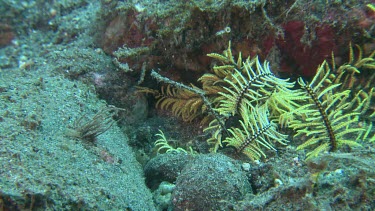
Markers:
(278, 182)
(246, 166)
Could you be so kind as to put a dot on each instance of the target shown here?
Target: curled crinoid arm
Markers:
(162, 145)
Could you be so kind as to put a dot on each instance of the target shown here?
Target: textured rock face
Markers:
(210, 182)
(175, 36)
(41, 167)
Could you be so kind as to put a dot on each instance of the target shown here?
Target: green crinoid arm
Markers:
(256, 133)
(325, 119)
(250, 85)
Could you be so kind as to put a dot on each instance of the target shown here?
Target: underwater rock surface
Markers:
(210, 182)
(41, 168)
(63, 62)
